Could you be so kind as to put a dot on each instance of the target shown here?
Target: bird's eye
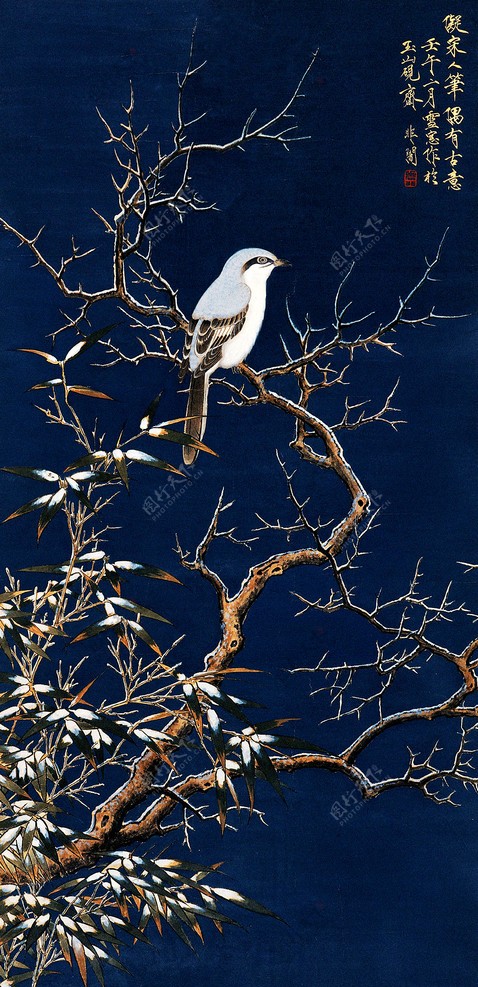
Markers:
(263, 260)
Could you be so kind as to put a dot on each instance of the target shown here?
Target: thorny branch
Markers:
(144, 201)
(335, 546)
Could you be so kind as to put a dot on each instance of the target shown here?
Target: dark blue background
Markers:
(389, 897)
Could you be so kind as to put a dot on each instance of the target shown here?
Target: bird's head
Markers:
(254, 265)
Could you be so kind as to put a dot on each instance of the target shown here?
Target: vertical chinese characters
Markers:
(411, 75)
(431, 79)
(432, 116)
(454, 87)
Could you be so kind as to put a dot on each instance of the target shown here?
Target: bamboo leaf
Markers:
(217, 736)
(80, 494)
(32, 505)
(63, 942)
(120, 464)
(150, 412)
(229, 703)
(89, 392)
(81, 741)
(243, 902)
(88, 342)
(4, 645)
(221, 795)
(248, 770)
(96, 967)
(170, 435)
(9, 838)
(89, 460)
(93, 629)
(15, 931)
(80, 958)
(41, 924)
(294, 743)
(46, 383)
(175, 924)
(143, 634)
(34, 474)
(76, 699)
(267, 768)
(194, 705)
(35, 648)
(55, 567)
(120, 601)
(46, 356)
(93, 476)
(49, 511)
(140, 569)
(145, 459)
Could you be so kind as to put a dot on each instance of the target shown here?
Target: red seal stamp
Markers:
(410, 178)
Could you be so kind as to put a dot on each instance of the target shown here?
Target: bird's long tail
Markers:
(197, 414)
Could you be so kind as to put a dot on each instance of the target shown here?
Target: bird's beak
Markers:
(282, 263)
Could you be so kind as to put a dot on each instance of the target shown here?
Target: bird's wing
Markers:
(188, 338)
(209, 336)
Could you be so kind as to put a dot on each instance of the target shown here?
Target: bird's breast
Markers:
(235, 350)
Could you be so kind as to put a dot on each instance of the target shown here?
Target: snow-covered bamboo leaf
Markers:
(88, 342)
(141, 569)
(243, 902)
(143, 634)
(135, 607)
(93, 629)
(248, 770)
(217, 736)
(72, 483)
(47, 476)
(32, 505)
(91, 459)
(221, 795)
(121, 467)
(267, 768)
(46, 383)
(136, 456)
(79, 954)
(230, 703)
(293, 743)
(49, 511)
(176, 926)
(170, 435)
(150, 412)
(194, 705)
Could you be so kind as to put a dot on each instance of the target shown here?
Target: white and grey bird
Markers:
(224, 327)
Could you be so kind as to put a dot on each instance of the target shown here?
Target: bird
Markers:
(223, 329)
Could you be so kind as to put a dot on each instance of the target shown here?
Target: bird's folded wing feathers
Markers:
(206, 338)
(188, 338)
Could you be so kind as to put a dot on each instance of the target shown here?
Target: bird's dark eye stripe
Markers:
(256, 260)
